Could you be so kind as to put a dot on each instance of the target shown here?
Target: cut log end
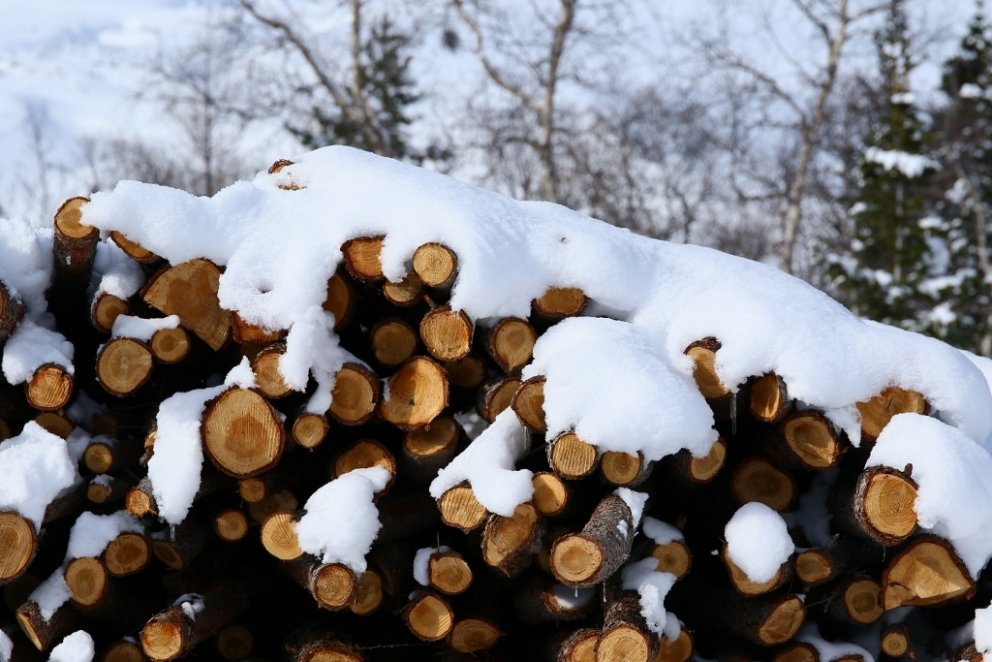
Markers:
(757, 479)
(496, 398)
(466, 373)
(782, 622)
(127, 554)
(242, 433)
(813, 567)
(861, 601)
(745, 585)
(449, 573)
(528, 403)
(170, 346)
(927, 572)
(704, 469)
(369, 594)
(703, 355)
(511, 344)
(279, 536)
(363, 454)
(576, 560)
(895, 641)
(551, 494)
(133, 249)
(507, 541)
(571, 457)
(473, 635)
(879, 410)
(673, 557)
(624, 643)
(418, 393)
(163, 639)
(404, 293)
(429, 617)
(189, 290)
(460, 509)
(309, 429)
(811, 438)
(622, 469)
(580, 646)
(334, 586)
(436, 265)
(340, 300)
(769, 400)
(362, 258)
(560, 302)
(87, 580)
(355, 394)
(268, 377)
(18, 543)
(106, 309)
(446, 333)
(393, 342)
(679, 649)
(231, 525)
(123, 365)
(50, 388)
(885, 502)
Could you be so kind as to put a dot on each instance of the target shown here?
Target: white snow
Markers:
(488, 465)
(26, 262)
(573, 598)
(32, 346)
(191, 604)
(341, 521)
(51, 593)
(954, 497)
(910, 165)
(91, 533)
(421, 561)
(6, 647)
(635, 501)
(661, 533)
(983, 632)
(140, 328)
(36, 468)
(114, 272)
(638, 402)
(652, 587)
(970, 91)
(278, 247)
(758, 541)
(831, 650)
(76, 647)
(312, 349)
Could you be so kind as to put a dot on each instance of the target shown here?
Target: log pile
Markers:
(445, 577)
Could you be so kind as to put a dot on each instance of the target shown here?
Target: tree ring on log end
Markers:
(17, 545)
(242, 433)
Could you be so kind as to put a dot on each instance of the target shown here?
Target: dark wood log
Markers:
(178, 546)
(896, 641)
(426, 451)
(539, 599)
(393, 342)
(74, 245)
(230, 525)
(106, 455)
(235, 642)
(589, 557)
(133, 250)
(11, 312)
(473, 635)
(340, 300)
(45, 631)
(580, 646)
(757, 479)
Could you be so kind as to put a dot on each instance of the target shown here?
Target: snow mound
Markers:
(76, 647)
(652, 587)
(758, 541)
(36, 467)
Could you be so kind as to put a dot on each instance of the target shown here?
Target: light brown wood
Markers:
(127, 554)
(246, 333)
(745, 585)
(362, 258)
(473, 635)
(926, 572)
(170, 346)
(813, 567)
(551, 494)
(369, 594)
(279, 536)
(757, 479)
(18, 544)
(340, 300)
(363, 454)
(673, 557)
(140, 499)
(528, 403)
(355, 394)
(105, 455)
(74, 244)
(876, 412)
(769, 401)
(235, 642)
(510, 342)
(189, 290)
(310, 430)
(231, 525)
(625, 634)
(896, 641)
(589, 557)
(105, 492)
(885, 501)
(268, 377)
(404, 293)
(50, 388)
(429, 617)
(253, 490)
(509, 543)
(782, 622)
(123, 365)
(460, 509)
(810, 437)
(87, 580)
(496, 397)
(105, 310)
(797, 652)
(703, 355)
(436, 265)
(706, 468)
(572, 458)
(679, 649)
(560, 302)
(448, 572)
(580, 646)
(393, 342)
(418, 393)
(446, 333)
(333, 586)
(242, 433)
(133, 249)
(624, 469)
(861, 600)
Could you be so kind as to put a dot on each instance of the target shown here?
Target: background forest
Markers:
(848, 142)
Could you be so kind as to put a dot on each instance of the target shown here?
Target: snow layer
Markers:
(831, 650)
(910, 165)
(421, 561)
(32, 346)
(635, 501)
(114, 272)
(6, 647)
(76, 647)
(36, 467)
(51, 593)
(139, 328)
(279, 247)
(91, 533)
(652, 587)
(341, 521)
(983, 632)
(660, 532)
(638, 401)
(758, 541)
(488, 465)
(312, 349)
(954, 496)
(174, 469)
(26, 262)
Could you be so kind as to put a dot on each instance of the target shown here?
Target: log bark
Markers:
(589, 557)
(180, 545)
(884, 505)
(74, 246)
(44, 633)
(242, 433)
(926, 572)
(189, 290)
(446, 333)
(436, 265)
(580, 646)
(418, 393)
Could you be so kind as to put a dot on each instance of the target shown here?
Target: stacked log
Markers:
(543, 580)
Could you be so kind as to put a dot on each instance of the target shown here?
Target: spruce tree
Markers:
(888, 273)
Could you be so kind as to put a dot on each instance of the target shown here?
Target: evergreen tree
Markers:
(965, 184)
(385, 84)
(889, 272)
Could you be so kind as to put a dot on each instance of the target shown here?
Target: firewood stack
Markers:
(444, 577)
